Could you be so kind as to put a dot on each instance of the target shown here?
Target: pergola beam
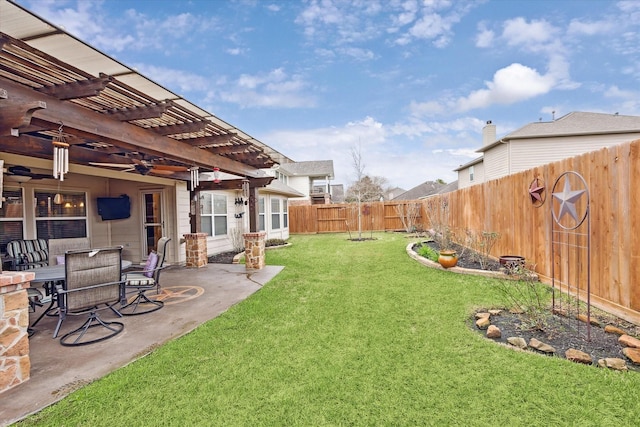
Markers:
(87, 124)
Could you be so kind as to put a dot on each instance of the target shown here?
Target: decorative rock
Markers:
(517, 342)
(614, 363)
(578, 356)
(629, 341)
(585, 319)
(483, 315)
(614, 330)
(495, 312)
(540, 346)
(516, 311)
(483, 323)
(632, 354)
(493, 332)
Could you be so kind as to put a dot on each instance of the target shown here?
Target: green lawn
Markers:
(351, 333)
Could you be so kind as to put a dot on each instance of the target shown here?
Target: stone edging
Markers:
(240, 255)
(460, 270)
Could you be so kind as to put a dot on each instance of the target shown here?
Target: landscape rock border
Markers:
(630, 345)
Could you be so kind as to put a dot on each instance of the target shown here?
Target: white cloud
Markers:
(511, 84)
(185, 81)
(273, 89)
(485, 37)
(589, 28)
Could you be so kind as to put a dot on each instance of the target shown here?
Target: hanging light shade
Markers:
(216, 175)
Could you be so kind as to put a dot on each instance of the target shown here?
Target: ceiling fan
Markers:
(23, 174)
(143, 167)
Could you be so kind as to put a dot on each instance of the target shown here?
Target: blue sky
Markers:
(411, 83)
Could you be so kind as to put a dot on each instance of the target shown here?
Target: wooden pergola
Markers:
(111, 116)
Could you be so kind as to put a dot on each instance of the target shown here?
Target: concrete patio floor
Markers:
(192, 297)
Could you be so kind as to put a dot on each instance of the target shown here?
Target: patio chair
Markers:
(93, 282)
(145, 280)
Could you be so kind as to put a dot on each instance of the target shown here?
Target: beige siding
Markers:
(496, 162)
(478, 176)
(528, 153)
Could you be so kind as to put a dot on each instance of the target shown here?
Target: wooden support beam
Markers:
(234, 184)
(190, 127)
(79, 89)
(153, 111)
(210, 140)
(17, 115)
(86, 124)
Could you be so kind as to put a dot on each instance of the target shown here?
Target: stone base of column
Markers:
(15, 364)
(254, 250)
(196, 247)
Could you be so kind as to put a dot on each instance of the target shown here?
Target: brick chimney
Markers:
(488, 134)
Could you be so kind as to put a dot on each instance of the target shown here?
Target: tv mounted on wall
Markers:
(114, 207)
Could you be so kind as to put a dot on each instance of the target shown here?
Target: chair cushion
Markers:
(152, 262)
(36, 256)
(139, 279)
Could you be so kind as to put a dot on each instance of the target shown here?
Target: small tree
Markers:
(364, 189)
(408, 213)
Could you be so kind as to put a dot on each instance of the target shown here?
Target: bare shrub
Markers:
(409, 214)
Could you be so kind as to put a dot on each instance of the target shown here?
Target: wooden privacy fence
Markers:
(504, 205)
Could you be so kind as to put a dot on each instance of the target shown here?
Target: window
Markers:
(471, 173)
(275, 214)
(60, 215)
(285, 214)
(261, 214)
(11, 217)
(213, 212)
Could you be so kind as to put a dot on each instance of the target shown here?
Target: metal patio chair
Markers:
(93, 282)
(145, 280)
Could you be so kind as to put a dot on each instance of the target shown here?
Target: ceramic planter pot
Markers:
(448, 258)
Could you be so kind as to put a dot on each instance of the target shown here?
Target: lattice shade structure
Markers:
(113, 116)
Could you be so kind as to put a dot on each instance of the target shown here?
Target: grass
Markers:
(350, 333)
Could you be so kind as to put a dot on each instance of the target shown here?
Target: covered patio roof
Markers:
(55, 87)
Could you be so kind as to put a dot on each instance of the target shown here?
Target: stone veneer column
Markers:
(254, 250)
(196, 247)
(15, 365)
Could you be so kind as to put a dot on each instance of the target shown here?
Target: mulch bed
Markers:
(222, 258)
(560, 332)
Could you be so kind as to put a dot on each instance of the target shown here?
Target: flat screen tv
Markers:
(114, 207)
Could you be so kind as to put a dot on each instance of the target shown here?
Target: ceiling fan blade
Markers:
(171, 168)
(113, 165)
(162, 171)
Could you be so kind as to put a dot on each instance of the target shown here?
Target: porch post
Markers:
(254, 250)
(15, 364)
(196, 247)
(254, 209)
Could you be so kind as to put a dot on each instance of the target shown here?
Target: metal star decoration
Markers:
(568, 199)
(536, 190)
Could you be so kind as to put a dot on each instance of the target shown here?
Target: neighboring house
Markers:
(312, 179)
(337, 193)
(127, 135)
(392, 193)
(421, 191)
(539, 143)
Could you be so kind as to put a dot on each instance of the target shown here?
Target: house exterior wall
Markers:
(522, 154)
(218, 244)
(528, 153)
(496, 162)
(300, 184)
(464, 175)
